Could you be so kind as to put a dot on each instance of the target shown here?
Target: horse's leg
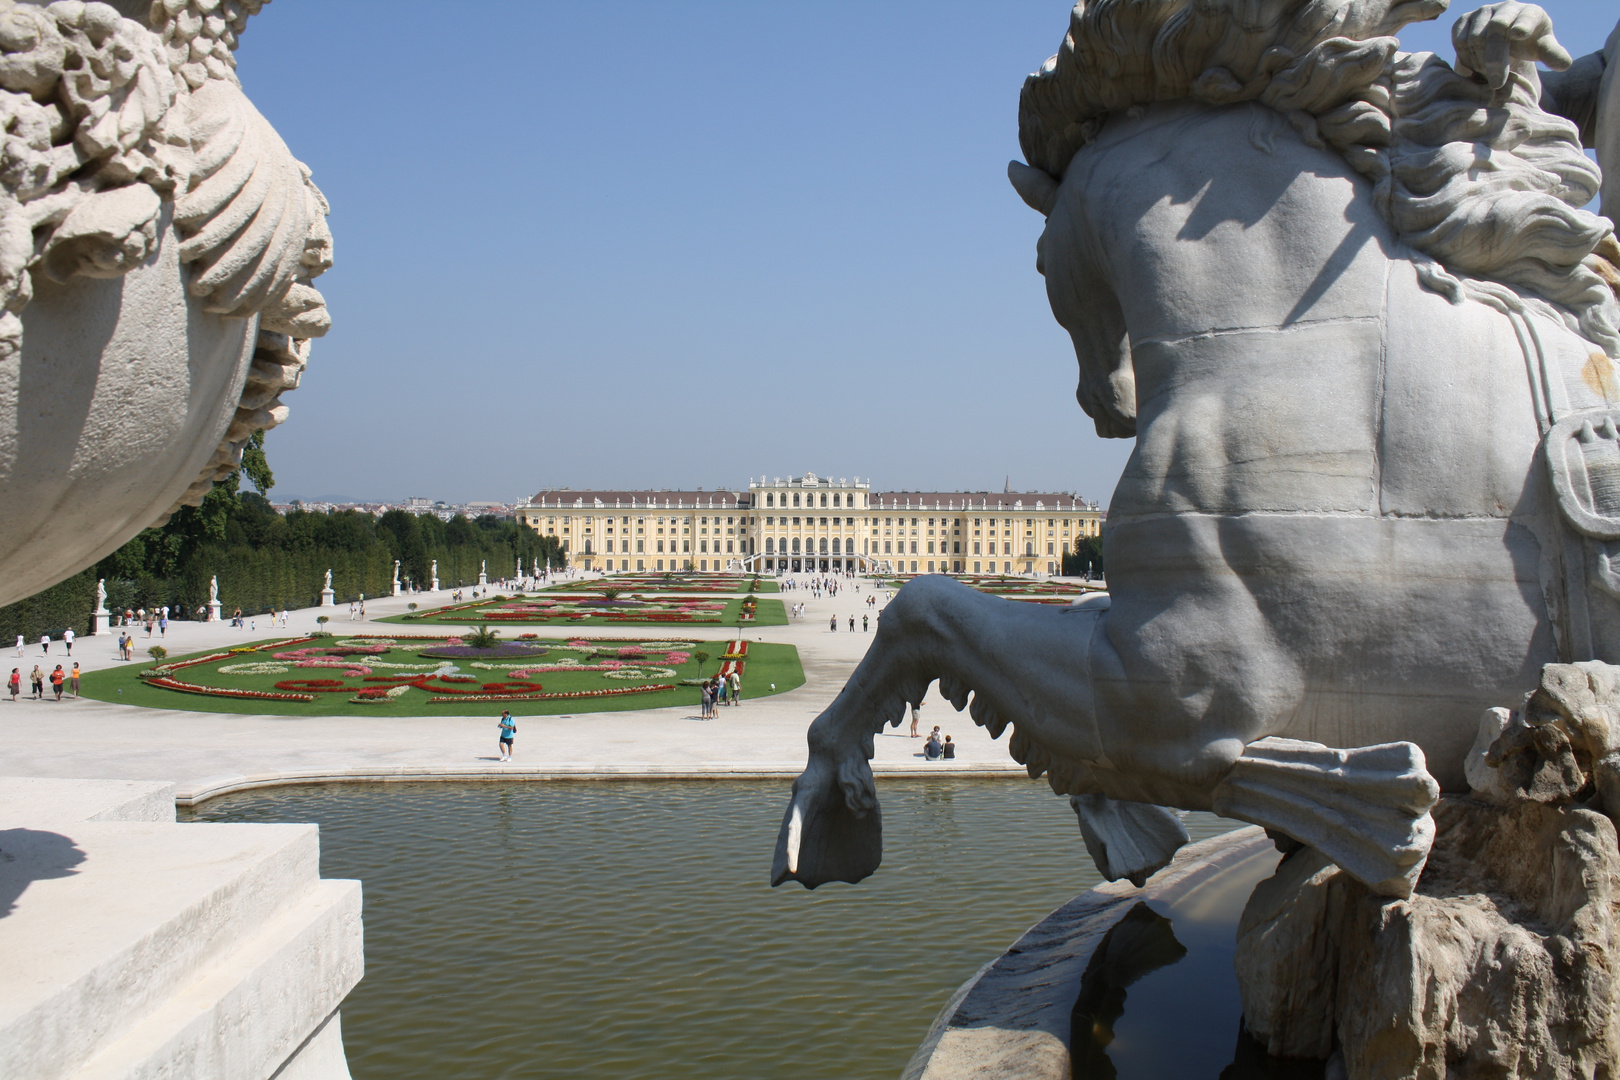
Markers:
(1023, 661)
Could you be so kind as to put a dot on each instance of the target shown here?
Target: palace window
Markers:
(1049, 550)
(660, 547)
(770, 500)
(975, 547)
(956, 548)
(824, 498)
(795, 521)
(686, 545)
(930, 547)
(795, 498)
(729, 548)
(641, 547)
(1006, 547)
(703, 545)
(795, 545)
(824, 522)
(835, 545)
(886, 550)
(770, 545)
(914, 547)
(835, 500)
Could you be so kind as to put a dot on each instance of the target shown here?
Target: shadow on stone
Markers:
(30, 855)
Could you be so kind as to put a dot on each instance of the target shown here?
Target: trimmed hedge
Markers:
(65, 604)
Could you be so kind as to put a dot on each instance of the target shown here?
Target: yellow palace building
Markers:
(810, 524)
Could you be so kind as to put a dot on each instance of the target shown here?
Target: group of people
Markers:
(938, 747)
(832, 623)
(37, 679)
(819, 587)
(720, 690)
(45, 643)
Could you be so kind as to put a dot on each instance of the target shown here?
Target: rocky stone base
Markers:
(1502, 964)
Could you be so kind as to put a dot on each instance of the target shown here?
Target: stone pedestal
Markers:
(397, 588)
(483, 579)
(328, 598)
(435, 584)
(213, 611)
(101, 622)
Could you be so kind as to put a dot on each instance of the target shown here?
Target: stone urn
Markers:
(157, 240)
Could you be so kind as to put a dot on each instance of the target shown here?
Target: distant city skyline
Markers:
(650, 259)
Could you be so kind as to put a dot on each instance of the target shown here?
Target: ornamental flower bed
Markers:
(438, 674)
(585, 609)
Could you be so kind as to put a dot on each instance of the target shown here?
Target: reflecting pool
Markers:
(627, 929)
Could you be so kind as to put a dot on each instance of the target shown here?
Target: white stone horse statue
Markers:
(1345, 301)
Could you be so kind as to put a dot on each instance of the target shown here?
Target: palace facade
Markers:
(810, 524)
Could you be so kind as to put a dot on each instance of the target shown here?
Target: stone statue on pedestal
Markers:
(328, 597)
(483, 578)
(435, 575)
(1320, 573)
(213, 599)
(396, 578)
(101, 618)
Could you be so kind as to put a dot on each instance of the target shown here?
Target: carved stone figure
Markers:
(213, 589)
(1376, 481)
(157, 243)
(101, 596)
(328, 583)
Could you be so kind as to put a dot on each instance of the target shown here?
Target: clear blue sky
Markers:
(677, 245)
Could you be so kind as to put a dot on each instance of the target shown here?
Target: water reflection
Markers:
(1160, 997)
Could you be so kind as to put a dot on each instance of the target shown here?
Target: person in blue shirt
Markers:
(508, 730)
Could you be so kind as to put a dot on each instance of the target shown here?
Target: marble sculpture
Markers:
(157, 244)
(1376, 480)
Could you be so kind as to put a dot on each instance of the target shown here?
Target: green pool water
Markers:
(627, 929)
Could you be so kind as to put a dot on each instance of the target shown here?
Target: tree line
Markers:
(265, 560)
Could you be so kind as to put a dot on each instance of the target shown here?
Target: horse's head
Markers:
(1084, 303)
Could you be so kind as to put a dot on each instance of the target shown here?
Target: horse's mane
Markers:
(1483, 181)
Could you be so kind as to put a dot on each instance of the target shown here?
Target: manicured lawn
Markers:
(323, 676)
(1012, 588)
(594, 610)
(670, 583)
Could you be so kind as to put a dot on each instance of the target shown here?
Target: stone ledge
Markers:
(200, 791)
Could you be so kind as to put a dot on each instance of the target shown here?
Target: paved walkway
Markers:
(210, 753)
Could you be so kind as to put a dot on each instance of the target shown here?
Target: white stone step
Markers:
(255, 1009)
(109, 920)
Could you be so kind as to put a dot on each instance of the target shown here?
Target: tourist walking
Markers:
(73, 679)
(916, 715)
(67, 640)
(58, 677)
(45, 644)
(863, 624)
(706, 696)
(508, 731)
(37, 679)
(852, 624)
(14, 684)
(19, 644)
(736, 688)
(833, 622)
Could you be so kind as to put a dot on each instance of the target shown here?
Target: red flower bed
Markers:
(221, 691)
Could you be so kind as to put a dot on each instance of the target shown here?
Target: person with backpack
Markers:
(14, 684)
(58, 677)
